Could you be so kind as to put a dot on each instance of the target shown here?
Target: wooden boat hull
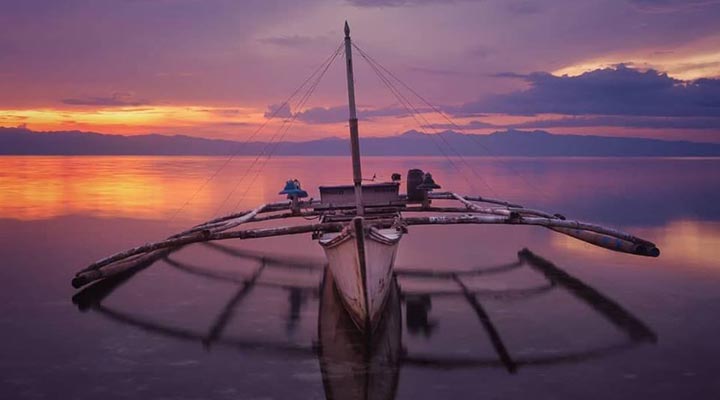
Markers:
(361, 261)
(354, 366)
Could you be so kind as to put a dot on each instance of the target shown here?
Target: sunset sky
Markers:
(215, 68)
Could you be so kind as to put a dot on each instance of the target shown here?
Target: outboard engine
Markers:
(414, 179)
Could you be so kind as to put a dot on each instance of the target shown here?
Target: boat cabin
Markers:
(373, 195)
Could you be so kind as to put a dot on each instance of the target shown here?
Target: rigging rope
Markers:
(415, 112)
(529, 183)
(274, 144)
(241, 145)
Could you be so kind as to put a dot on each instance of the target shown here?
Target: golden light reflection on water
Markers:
(133, 187)
(668, 201)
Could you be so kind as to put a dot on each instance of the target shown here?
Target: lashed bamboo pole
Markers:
(546, 222)
(483, 210)
(134, 263)
(504, 211)
(449, 196)
(229, 224)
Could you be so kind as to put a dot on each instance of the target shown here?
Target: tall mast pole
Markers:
(354, 139)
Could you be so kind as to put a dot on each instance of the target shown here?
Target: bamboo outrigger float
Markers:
(361, 226)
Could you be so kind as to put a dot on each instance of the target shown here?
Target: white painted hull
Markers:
(362, 268)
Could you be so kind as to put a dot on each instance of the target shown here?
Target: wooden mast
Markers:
(354, 140)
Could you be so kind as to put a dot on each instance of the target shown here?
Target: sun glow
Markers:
(134, 120)
(34, 188)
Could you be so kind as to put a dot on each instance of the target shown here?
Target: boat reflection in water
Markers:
(357, 366)
(353, 365)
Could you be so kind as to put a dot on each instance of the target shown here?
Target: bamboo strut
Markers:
(219, 222)
(268, 208)
(483, 210)
(229, 224)
(217, 230)
(504, 211)
(449, 196)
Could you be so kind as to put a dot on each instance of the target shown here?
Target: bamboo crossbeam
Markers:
(546, 222)
(218, 230)
(90, 273)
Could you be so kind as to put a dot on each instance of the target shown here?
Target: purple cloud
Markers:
(610, 91)
(337, 114)
(703, 123)
(275, 110)
(712, 123)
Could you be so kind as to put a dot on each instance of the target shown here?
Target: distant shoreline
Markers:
(510, 143)
(685, 158)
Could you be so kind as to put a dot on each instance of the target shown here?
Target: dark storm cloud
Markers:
(610, 91)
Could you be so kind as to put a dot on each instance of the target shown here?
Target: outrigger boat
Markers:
(361, 226)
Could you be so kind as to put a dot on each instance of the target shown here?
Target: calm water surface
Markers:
(189, 327)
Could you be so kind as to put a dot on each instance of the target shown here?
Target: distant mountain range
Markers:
(19, 141)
